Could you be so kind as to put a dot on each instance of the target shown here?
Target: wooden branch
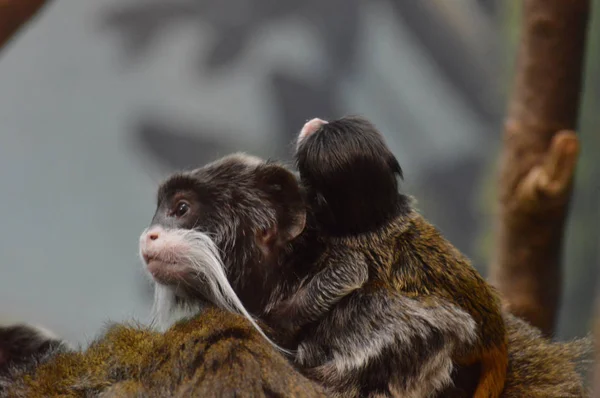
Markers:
(14, 14)
(596, 331)
(539, 158)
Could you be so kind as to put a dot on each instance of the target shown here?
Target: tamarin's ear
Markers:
(285, 194)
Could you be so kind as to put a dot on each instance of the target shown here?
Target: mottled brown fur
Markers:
(538, 367)
(449, 275)
(214, 354)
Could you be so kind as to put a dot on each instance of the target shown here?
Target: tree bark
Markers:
(596, 334)
(14, 14)
(539, 156)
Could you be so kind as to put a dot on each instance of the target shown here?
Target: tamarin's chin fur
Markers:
(217, 353)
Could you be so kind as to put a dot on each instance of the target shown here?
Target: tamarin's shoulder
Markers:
(419, 244)
(412, 256)
(217, 353)
(407, 242)
(427, 263)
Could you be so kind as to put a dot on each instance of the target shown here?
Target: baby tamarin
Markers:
(382, 264)
(351, 181)
(213, 354)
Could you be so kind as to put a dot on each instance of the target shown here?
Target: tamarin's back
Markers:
(221, 355)
(427, 264)
(537, 367)
(410, 256)
(215, 354)
(417, 260)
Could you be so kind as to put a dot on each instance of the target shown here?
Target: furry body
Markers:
(386, 284)
(214, 354)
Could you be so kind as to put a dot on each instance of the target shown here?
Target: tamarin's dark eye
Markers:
(181, 209)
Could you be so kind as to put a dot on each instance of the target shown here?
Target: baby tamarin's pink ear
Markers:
(285, 194)
(309, 128)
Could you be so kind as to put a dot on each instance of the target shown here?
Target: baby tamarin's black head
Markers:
(350, 175)
(218, 232)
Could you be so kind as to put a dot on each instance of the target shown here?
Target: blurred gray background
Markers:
(100, 100)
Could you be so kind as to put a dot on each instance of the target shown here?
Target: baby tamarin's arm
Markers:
(344, 274)
(401, 342)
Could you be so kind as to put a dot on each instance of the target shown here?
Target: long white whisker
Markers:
(204, 257)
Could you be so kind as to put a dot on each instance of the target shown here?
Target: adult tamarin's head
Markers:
(350, 175)
(217, 234)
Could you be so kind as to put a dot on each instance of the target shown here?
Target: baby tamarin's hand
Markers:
(320, 294)
(283, 318)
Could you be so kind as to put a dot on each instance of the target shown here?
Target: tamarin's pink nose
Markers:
(153, 234)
